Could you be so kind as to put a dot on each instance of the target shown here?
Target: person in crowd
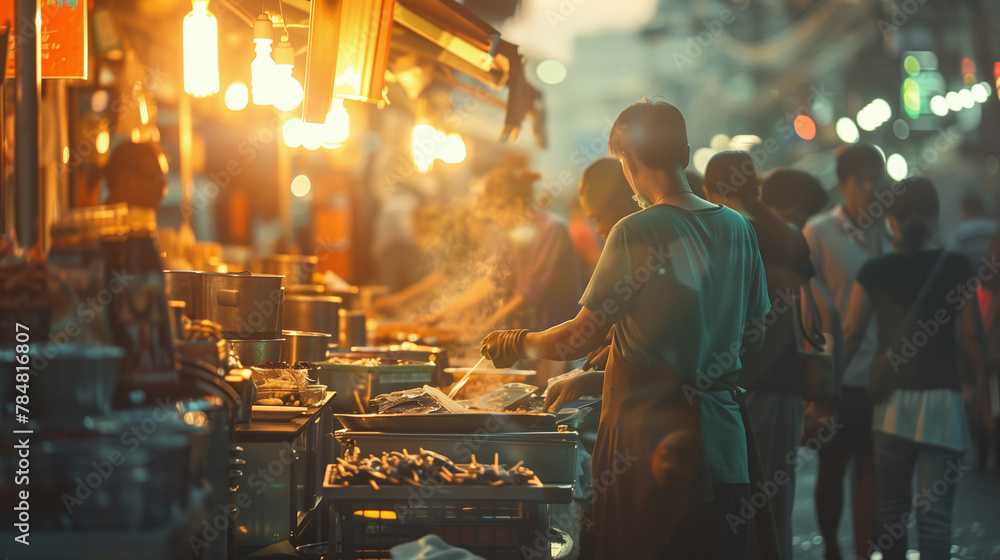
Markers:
(797, 196)
(135, 175)
(972, 236)
(677, 282)
(793, 195)
(774, 376)
(694, 179)
(840, 241)
(586, 242)
(919, 422)
(986, 426)
(606, 197)
(536, 274)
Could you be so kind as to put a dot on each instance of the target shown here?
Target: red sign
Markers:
(63, 38)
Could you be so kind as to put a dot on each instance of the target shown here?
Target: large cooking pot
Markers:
(246, 306)
(297, 269)
(256, 352)
(311, 313)
(301, 346)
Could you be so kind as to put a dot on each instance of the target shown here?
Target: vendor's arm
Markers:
(568, 341)
(414, 292)
(476, 294)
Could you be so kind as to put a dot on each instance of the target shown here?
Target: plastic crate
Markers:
(497, 523)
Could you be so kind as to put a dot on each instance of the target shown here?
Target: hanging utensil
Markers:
(465, 379)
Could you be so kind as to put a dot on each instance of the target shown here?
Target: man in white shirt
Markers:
(840, 241)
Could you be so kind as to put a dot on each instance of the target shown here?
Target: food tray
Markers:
(551, 455)
(546, 494)
(449, 423)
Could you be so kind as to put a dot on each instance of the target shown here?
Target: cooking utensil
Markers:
(359, 383)
(297, 269)
(302, 346)
(461, 382)
(312, 313)
(354, 328)
(256, 352)
(246, 306)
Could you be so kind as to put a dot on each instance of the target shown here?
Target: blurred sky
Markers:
(546, 28)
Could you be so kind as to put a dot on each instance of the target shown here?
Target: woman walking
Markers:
(919, 424)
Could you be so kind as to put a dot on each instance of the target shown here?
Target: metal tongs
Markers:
(465, 379)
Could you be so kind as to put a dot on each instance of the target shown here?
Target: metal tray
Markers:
(549, 493)
(552, 455)
(357, 384)
(449, 423)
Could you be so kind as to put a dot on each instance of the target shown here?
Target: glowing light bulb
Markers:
(897, 167)
(287, 90)
(453, 149)
(424, 146)
(201, 50)
(262, 69)
(337, 125)
(939, 106)
(237, 96)
(291, 133)
(301, 185)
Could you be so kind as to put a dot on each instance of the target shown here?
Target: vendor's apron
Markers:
(649, 466)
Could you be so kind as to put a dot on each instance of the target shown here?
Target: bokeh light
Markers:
(805, 127)
(954, 101)
(237, 96)
(551, 71)
(967, 100)
(901, 129)
(719, 142)
(980, 93)
(847, 131)
(896, 166)
(939, 106)
(911, 65)
(701, 157)
(301, 185)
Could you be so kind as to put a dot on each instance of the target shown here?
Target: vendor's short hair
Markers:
(791, 188)
(654, 133)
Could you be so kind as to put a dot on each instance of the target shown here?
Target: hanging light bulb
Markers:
(201, 50)
(337, 125)
(287, 90)
(262, 69)
(291, 133)
(453, 149)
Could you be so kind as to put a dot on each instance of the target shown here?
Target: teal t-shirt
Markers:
(679, 287)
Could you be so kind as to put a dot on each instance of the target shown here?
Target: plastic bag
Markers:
(408, 401)
(505, 397)
(562, 377)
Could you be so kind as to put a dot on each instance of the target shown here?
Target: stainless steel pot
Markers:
(302, 346)
(309, 313)
(297, 269)
(256, 352)
(247, 306)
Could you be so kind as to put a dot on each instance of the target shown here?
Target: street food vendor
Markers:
(135, 176)
(536, 268)
(677, 282)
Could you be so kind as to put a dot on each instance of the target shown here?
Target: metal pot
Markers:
(297, 269)
(301, 346)
(247, 306)
(256, 352)
(316, 314)
(74, 381)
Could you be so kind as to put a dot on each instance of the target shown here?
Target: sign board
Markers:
(63, 38)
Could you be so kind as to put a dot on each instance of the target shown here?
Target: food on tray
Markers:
(505, 398)
(368, 362)
(423, 468)
(280, 383)
(407, 401)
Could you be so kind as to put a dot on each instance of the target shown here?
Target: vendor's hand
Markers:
(598, 359)
(561, 393)
(504, 348)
